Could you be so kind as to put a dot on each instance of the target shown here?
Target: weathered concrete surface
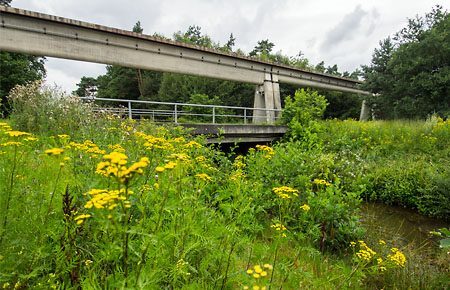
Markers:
(237, 133)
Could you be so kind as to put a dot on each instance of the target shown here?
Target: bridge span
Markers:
(48, 35)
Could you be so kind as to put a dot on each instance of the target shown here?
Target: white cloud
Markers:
(338, 32)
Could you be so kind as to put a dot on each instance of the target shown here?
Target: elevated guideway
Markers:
(48, 35)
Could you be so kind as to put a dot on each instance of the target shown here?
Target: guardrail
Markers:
(180, 112)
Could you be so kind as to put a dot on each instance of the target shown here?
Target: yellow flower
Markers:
(263, 274)
(285, 192)
(170, 165)
(397, 257)
(159, 169)
(258, 269)
(381, 242)
(54, 151)
(305, 207)
(17, 133)
(80, 219)
(321, 182)
(11, 143)
(249, 271)
(256, 276)
(203, 176)
(268, 266)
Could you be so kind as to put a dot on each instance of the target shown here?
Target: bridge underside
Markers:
(237, 133)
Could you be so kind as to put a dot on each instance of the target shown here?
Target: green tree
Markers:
(410, 75)
(263, 48)
(17, 69)
(86, 87)
(193, 35)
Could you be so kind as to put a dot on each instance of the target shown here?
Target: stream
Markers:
(402, 225)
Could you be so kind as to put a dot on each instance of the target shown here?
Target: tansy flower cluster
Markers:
(115, 166)
(321, 182)
(365, 253)
(87, 147)
(259, 273)
(107, 199)
(152, 142)
(397, 257)
(192, 144)
(54, 151)
(305, 207)
(280, 228)
(269, 152)
(203, 176)
(17, 133)
(285, 192)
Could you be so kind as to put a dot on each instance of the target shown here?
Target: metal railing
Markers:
(183, 112)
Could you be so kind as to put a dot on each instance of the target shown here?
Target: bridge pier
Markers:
(267, 96)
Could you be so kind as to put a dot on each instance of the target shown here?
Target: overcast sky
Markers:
(341, 32)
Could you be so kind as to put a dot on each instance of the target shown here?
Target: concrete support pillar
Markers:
(267, 96)
(269, 99)
(259, 116)
(365, 111)
(276, 96)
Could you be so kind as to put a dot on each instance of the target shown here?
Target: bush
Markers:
(40, 109)
(301, 114)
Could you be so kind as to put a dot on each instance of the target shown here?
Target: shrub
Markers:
(301, 114)
(44, 110)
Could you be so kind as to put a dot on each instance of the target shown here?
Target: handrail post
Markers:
(245, 116)
(214, 115)
(130, 116)
(176, 114)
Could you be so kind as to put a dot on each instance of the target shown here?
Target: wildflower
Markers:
(285, 192)
(203, 176)
(352, 244)
(159, 169)
(6, 285)
(397, 257)
(80, 219)
(117, 148)
(17, 133)
(238, 162)
(258, 269)
(87, 262)
(381, 242)
(107, 199)
(268, 266)
(249, 271)
(279, 227)
(170, 165)
(256, 276)
(63, 136)
(29, 139)
(11, 143)
(321, 182)
(269, 152)
(365, 253)
(305, 207)
(115, 166)
(263, 274)
(193, 144)
(54, 151)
